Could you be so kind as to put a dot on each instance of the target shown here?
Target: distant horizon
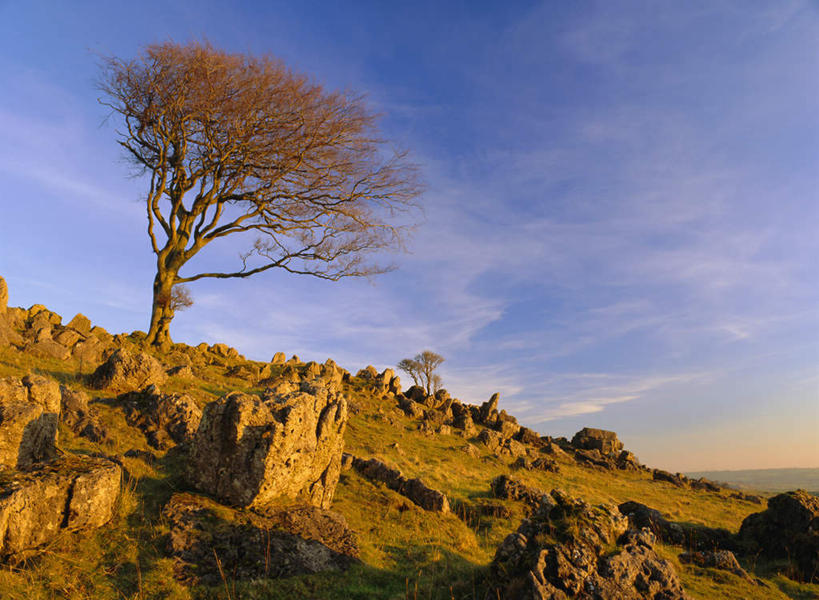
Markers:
(620, 211)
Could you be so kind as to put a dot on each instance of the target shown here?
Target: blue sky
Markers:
(621, 220)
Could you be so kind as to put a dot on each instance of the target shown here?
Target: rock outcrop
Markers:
(511, 489)
(75, 493)
(127, 372)
(165, 419)
(29, 415)
(788, 529)
(205, 544)
(605, 442)
(82, 419)
(687, 535)
(249, 451)
(413, 489)
(564, 551)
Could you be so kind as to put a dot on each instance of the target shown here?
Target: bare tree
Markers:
(422, 370)
(237, 145)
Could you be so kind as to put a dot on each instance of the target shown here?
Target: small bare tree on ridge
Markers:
(237, 145)
(422, 370)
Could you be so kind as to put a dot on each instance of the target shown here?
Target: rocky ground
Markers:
(195, 473)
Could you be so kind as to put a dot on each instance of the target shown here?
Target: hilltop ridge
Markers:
(283, 479)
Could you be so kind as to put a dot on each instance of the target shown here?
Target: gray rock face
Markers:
(75, 494)
(512, 489)
(414, 489)
(165, 419)
(250, 546)
(4, 296)
(249, 451)
(126, 372)
(787, 529)
(605, 442)
(29, 415)
(580, 564)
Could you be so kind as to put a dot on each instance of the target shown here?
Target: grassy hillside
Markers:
(406, 552)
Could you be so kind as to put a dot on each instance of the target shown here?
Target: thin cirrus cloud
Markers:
(619, 221)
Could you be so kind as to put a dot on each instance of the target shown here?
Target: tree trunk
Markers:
(161, 311)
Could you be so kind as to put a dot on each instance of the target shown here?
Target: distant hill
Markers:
(766, 480)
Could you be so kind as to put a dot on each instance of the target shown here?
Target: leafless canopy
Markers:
(236, 144)
(422, 370)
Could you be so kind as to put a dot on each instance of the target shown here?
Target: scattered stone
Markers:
(208, 540)
(29, 414)
(511, 489)
(80, 418)
(163, 418)
(347, 461)
(4, 296)
(76, 493)
(539, 464)
(787, 529)
(678, 480)
(249, 451)
(694, 537)
(127, 372)
(605, 442)
(579, 563)
(715, 559)
(46, 348)
(414, 489)
(81, 324)
(181, 372)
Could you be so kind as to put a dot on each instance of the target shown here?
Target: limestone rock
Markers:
(296, 541)
(279, 358)
(81, 324)
(4, 296)
(249, 451)
(414, 489)
(82, 419)
(47, 348)
(163, 418)
(605, 442)
(715, 559)
(787, 529)
(29, 414)
(580, 564)
(511, 489)
(126, 372)
(678, 479)
(76, 493)
(687, 535)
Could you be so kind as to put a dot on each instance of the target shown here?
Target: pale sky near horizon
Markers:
(621, 223)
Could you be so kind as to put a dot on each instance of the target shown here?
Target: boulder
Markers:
(80, 418)
(74, 493)
(208, 540)
(47, 348)
(81, 324)
(163, 418)
(564, 550)
(788, 529)
(249, 451)
(687, 535)
(29, 415)
(279, 358)
(511, 489)
(488, 410)
(724, 560)
(605, 442)
(414, 489)
(677, 479)
(126, 372)
(4, 296)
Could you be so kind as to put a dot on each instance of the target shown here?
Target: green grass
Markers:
(406, 552)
